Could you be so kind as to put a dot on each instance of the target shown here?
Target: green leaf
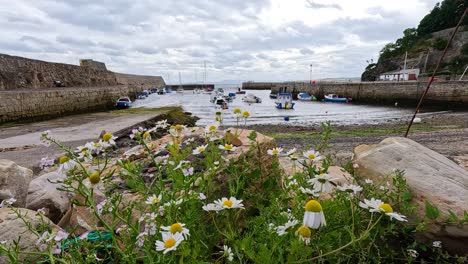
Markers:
(252, 136)
(453, 217)
(432, 212)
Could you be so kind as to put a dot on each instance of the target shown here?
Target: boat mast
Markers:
(204, 74)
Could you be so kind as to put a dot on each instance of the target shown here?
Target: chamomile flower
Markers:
(108, 139)
(161, 124)
(312, 155)
(227, 147)
(84, 153)
(245, 114)
(237, 111)
(313, 216)
(368, 181)
(66, 164)
(281, 230)
(153, 199)
(212, 207)
(274, 151)
(322, 183)
(437, 244)
(177, 130)
(377, 206)
(169, 242)
(412, 253)
(229, 203)
(211, 129)
(227, 252)
(350, 188)
(199, 149)
(136, 132)
(304, 234)
(177, 228)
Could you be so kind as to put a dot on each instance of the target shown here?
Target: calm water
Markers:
(304, 113)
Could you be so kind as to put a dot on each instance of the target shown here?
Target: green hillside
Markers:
(425, 44)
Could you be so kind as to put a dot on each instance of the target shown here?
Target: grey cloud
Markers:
(75, 41)
(312, 4)
(306, 51)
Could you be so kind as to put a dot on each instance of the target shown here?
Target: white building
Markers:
(401, 75)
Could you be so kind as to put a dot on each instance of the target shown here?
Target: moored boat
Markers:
(284, 101)
(306, 97)
(250, 98)
(239, 91)
(273, 96)
(335, 98)
(123, 102)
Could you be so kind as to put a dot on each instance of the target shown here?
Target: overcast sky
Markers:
(239, 39)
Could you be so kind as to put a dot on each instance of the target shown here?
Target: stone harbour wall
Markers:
(441, 92)
(35, 105)
(130, 79)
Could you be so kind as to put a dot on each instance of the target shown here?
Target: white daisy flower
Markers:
(322, 183)
(377, 206)
(135, 132)
(211, 129)
(182, 162)
(227, 252)
(177, 130)
(66, 164)
(290, 152)
(177, 228)
(274, 151)
(228, 147)
(281, 230)
(229, 203)
(212, 207)
(108, 140)
(84, 153)
(199, 149)
(169, 242)
(7, 202)
(304, 234)
(312, 155)
(313, 215)
(368, 181)
(153, 199)
(413, 253)
(309, 191)
(162, 124)
(350, 188)
(437, 244)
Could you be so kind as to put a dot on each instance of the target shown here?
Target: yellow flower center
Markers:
(96, 144)
(94, 177)
(63, 159)
(170, 242)
(155, 200)
(175, 228)
(313, 206)
(311, 156)
(212, 128)
(179, 127)
(107, 136)
(275, 151)
(201, 149)
(304, 231)
(146, 134)
(245, 114)
(228, 146)
(294, 156)
(237, 111)
(386, 207)
(228, 203)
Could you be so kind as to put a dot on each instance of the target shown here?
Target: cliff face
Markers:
(23, 73)
(452, 65)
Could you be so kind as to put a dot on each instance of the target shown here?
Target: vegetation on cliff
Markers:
(443, 16)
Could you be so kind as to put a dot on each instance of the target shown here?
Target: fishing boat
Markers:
(273, 96)
(123, 102)
(306, 97)
(335, 98)
(284, 101)
(239, 91)
(180, 89)
(250, 98)
(220, 103)
(232, 95)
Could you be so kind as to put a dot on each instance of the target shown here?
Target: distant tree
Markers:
(444, 15)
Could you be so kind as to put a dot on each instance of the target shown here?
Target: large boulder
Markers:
(14, 182)
(43, 193)
(430, 176)
(14, 229)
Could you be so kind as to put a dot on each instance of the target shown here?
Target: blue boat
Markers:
(335, 98)
(284, 101)
(306, 97)
(123, 102)
(232, 95)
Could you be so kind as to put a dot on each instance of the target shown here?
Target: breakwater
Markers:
(441, 92)
(28, 88)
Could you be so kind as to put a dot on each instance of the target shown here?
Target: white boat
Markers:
(284, 101)
(197, 91)
(250, 98)
(306, 97)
